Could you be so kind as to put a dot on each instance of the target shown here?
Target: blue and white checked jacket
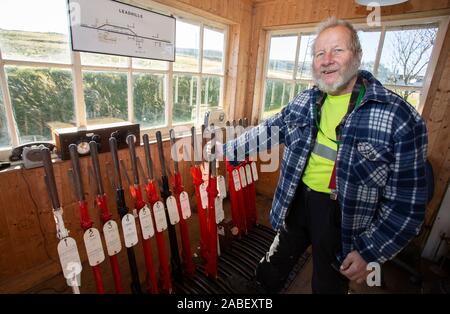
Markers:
(380, 176)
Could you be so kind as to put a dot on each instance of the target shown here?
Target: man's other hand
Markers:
(354, 267)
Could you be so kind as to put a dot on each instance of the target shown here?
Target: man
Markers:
(352, 181)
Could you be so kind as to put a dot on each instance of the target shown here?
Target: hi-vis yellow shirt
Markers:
(318, 168)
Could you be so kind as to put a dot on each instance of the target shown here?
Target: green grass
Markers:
(34, 46)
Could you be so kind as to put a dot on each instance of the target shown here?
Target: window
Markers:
(105, 96)
(41, 96)
(369, 43)
(404, 59)
(278, 93)
(42, 100)
(97, 59)
(304, 58)
(213, 50)
(149, 99)
(184, 98)
(197, 86)
(26, 35)
(282, 57)
(44, 93)
(150, 64)
(187, 47)
(397, 55)
(4, 136)
(288, 70)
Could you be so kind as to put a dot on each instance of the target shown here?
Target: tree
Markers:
(184, 100)
(411, 50)
(40, 96)
(105, 95)
(149, 99)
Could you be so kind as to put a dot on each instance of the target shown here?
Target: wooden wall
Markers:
(277, 14)
(228, 11)
(437, 116)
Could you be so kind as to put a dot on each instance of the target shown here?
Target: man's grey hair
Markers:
(354, 45)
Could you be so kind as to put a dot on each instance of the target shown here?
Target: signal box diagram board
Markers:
(111, 27)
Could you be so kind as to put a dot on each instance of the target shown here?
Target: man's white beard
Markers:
(342, 81)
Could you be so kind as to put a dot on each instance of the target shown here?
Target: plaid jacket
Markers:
(380, 176)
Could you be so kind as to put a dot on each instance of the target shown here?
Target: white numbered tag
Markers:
(248, 172)
(94, 247)
(221, 186)
(160, 216)
(172, 208)
(242, 176)
(185, 206)
(204, 195)
(129, 230)
(254, 171)
(112, 237)
(237, 183)
(220, 215)
(69, 257)
(145, 218)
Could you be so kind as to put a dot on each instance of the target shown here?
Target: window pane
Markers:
(277, 96)
(212, 51)
(304, 57)
(187, 47)
(282, 56)
(300, 87)
(210, 94)
(149, 64)
(105, 95)
(149, 105)
(42, 100)
(184, 98)
(34, 30)
(4, 135)
(94, 59)
(369, 44)
(405, 56)
(210, 91)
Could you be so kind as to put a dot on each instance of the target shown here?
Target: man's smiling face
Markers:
(334, 63)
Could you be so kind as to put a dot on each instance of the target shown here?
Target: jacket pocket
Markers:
(371, 165)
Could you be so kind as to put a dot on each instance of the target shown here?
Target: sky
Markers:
(32, 15)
